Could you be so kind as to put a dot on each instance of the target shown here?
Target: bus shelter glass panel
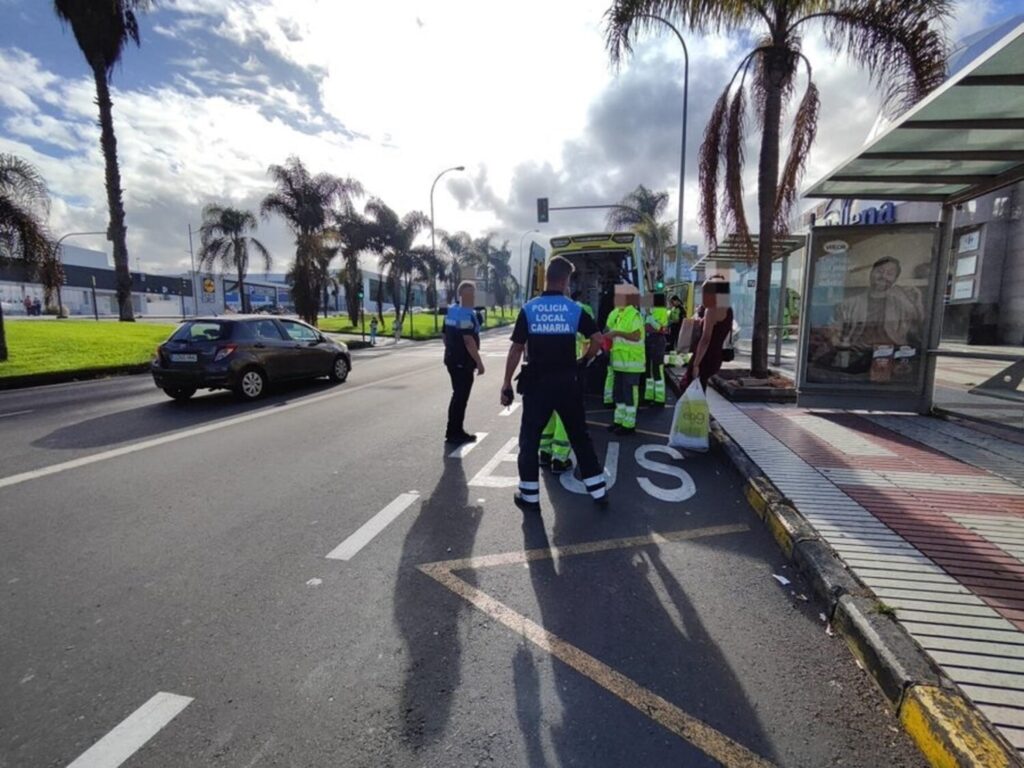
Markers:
(867, 316)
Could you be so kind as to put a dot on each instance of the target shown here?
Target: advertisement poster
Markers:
(868, 310)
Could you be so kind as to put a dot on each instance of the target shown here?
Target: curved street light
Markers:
(433, 245)
(682, 156)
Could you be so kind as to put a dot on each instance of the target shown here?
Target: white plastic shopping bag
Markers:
(691, 420)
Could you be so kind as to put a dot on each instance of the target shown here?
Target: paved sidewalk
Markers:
(929, 514)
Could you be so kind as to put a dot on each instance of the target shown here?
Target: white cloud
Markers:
(522, 94)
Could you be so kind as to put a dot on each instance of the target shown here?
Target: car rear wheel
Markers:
(340, 369)
(251, 384)
(180, 394)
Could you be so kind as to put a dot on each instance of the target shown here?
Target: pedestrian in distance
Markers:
(462, 359)
(675, 320)
(625, 327)
(373, 332)
(711, 329)
(550, 382)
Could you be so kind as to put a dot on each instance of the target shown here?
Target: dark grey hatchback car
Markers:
(245, 354)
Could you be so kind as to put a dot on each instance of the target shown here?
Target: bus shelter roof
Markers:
(963, 140)
(734, 248)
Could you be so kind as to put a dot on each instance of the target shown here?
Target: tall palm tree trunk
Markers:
(767, 190)
(242, 298)
(116, 232)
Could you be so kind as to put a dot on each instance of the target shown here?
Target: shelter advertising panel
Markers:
(868, 315)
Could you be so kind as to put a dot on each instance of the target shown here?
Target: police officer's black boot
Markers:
(526, 506)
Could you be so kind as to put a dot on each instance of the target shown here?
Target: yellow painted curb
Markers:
(950, 733)
(781, 533)
(756, 499)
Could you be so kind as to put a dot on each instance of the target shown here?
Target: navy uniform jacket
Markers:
(458, 323)
(548, 325)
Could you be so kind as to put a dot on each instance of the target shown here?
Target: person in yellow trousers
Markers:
(626, 330)
(554, 440)
(656, 325)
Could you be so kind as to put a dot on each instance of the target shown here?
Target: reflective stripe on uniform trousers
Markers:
(596, 486)
(629, 410)
(529, 491)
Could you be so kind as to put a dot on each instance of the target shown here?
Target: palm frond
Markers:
(805, 127)
(263, 253)
(733, 211)
(625, 18)
(902, 44)
(708, 173)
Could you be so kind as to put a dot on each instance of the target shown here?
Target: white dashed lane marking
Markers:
(350, 547)
(133, 732)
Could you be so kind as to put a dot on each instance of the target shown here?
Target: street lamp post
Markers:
(56, 252)
(433, 245)
(682, 155)
(523, 271)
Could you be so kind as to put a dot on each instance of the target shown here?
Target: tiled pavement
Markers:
(927, 513)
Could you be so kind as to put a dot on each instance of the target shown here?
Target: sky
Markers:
(522, 94)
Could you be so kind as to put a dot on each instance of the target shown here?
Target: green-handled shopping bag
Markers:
(691, 421)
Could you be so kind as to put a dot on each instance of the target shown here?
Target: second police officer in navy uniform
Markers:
(551, 382)
(462, 359)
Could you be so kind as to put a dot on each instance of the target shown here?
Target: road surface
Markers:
(313, 580)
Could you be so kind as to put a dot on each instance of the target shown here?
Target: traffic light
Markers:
(659, 286)
(542, 210)
(360, 294)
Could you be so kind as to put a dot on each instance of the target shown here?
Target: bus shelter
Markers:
(736, 251)
(875, 298)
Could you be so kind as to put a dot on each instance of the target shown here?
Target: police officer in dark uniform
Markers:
(551, 382)
(462, 359)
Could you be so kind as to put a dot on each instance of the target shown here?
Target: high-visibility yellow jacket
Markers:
(657, 319)
(627, 356)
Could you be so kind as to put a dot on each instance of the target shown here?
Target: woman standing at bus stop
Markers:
(711, 329)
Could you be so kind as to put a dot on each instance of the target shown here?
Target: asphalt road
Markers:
(149, 547)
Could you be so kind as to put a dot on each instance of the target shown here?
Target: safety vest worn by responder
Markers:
(627, 356)
(654, 386)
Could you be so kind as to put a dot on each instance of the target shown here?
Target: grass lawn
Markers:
(422, 324)
(49, 346)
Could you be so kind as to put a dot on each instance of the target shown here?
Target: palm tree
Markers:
(433, 268)
(458, 247)
(102, 29)
(394, 238)
(901, 44)
(479, 259)
(226, 241)
(24, 207)
(305, 202)
(351, 233)
(640, 211)
(499, 265)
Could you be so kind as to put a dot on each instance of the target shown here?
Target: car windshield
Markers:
(202, 330)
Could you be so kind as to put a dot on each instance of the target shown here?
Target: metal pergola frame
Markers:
(736, 248)
(964, 140)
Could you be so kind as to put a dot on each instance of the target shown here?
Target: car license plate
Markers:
(184, 358)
